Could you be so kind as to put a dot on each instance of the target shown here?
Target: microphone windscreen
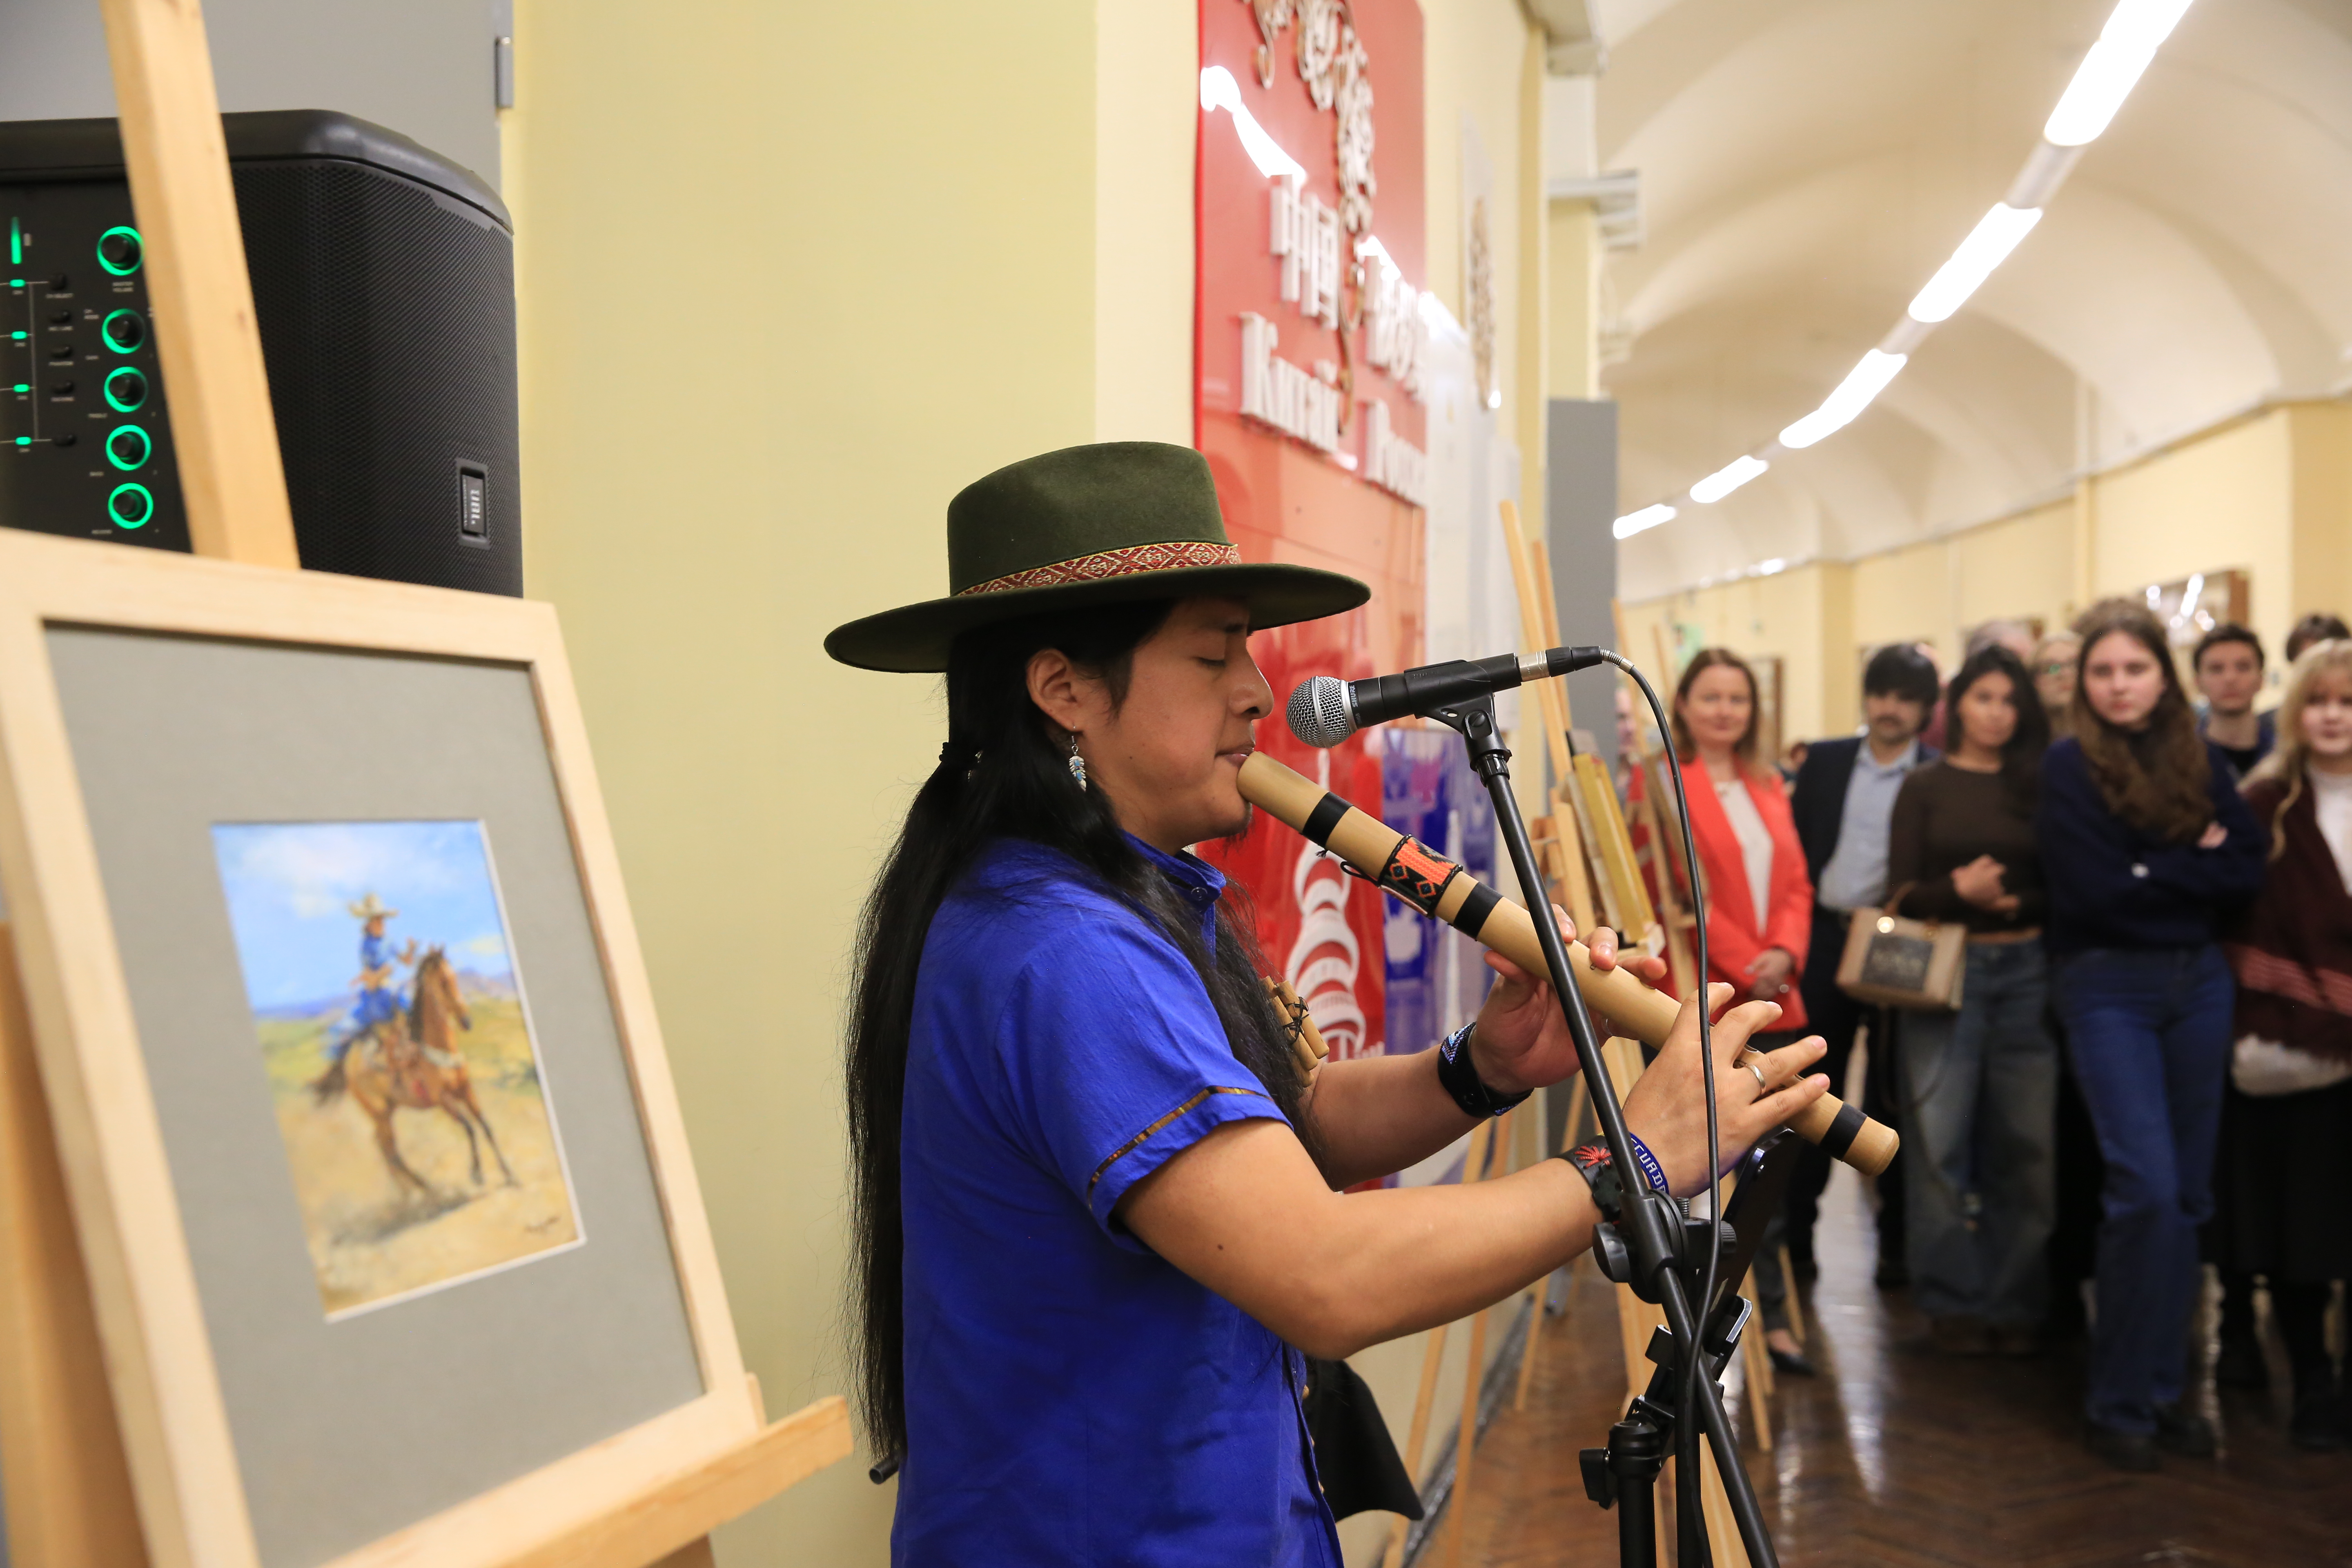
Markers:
(1318, 711)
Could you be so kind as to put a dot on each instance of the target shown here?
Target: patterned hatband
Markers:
(1167, 557)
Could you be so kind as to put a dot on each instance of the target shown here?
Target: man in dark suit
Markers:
(1843, 802)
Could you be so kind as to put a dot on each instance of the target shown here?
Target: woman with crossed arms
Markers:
(1098, 1216)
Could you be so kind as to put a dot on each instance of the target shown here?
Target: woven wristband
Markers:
(1460, 1077)
(1591, 1161)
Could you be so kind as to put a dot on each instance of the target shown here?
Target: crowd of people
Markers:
(2153, 1023)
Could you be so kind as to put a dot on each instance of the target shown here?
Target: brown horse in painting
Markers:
(413, 1064)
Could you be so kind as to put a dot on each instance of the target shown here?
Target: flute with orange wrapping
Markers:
(1436, 886)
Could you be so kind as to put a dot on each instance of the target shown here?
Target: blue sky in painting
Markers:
(290, 886)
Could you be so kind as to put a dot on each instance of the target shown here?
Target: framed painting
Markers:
(393, 1237)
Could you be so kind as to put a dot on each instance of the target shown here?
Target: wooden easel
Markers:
(69, 1501)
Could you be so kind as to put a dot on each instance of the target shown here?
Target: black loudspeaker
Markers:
(383, 282)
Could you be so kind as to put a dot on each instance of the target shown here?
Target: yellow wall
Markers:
(1572, 264)
(2223, 501)
(2320, 440)
(922, 262)
(2270, 495)
(892, 244)
(1778, 616)
(1147, 103)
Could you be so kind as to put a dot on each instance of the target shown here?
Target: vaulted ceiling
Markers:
(1806, 164)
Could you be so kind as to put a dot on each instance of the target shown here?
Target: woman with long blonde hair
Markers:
(2286, 1162)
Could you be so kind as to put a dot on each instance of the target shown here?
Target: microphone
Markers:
(1325, 711)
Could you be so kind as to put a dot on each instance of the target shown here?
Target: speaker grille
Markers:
(387, 323)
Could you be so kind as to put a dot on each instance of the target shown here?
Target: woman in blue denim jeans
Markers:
(1981, 1086)
(2147, 849)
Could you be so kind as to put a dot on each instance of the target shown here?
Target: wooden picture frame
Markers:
(630, 1498)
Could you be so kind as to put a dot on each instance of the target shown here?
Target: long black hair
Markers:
(2021, 754)
(1003, 774)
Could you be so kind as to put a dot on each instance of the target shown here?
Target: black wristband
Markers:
(1591, 1161)
(1459, 1074)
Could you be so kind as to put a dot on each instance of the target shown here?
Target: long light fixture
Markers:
(1987, 247)
(1862, 384)
(1726, 479)
(2126, 44)
(2135, 30)
(1633, 523)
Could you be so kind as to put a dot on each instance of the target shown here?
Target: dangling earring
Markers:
(1077, 762)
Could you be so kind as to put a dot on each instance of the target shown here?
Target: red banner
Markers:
(1308, 343)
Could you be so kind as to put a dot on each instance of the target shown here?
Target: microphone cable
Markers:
(1704, 1309)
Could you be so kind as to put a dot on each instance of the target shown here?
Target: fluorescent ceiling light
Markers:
(1771, 568)
(1862, 382)
(1987, 247)
(1633, 523)
(2108, 73)
(1219, 90)
(1727, 478)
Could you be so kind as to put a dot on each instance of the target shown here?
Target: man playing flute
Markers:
(1100, 1216)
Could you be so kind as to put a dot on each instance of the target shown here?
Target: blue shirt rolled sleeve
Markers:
(1073, 1398)
(1114, 1062)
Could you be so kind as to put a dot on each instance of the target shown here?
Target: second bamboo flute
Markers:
(1436, 886)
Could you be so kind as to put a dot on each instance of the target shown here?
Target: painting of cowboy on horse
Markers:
(407, 1088)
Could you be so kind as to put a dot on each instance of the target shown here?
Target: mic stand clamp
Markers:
(1652, 1240)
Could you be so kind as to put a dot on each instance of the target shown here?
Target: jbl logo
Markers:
(473, 508)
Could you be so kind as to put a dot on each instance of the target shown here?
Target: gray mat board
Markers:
(346, 1432)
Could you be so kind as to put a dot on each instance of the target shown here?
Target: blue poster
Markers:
(1437, 976)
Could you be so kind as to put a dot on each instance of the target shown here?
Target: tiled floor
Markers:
(1894, 1456)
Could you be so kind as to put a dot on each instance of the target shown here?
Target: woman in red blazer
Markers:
(1740, 818)
(1746, 838)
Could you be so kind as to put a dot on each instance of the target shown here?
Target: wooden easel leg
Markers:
(1796, 1300)
(67, 1484)
(1431, 1361)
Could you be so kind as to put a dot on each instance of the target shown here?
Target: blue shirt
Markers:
(1072, 1398)
(2112, 885)
(1855, 874)
(377, 1002)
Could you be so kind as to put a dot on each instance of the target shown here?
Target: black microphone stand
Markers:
(1653, 1247)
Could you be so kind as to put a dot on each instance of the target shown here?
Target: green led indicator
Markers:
(15, 242)
(119, 249)
(126, 389)
(23, 440)
(19, 336)
(130, 505)
(20, 386)
(128, 447)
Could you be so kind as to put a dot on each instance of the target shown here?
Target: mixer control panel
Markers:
(85, 444)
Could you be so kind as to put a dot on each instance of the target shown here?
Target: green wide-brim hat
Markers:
(1084, 526)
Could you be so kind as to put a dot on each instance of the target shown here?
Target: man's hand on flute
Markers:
(1522, 1039)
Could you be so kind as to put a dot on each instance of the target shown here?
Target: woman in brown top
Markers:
(1979, 1111)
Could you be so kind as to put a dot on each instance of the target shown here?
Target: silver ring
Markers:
(1762, 1089)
